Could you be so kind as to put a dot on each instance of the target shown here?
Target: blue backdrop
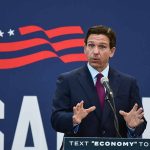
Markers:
(40, 39)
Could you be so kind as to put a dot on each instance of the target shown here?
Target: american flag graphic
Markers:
(11, 52)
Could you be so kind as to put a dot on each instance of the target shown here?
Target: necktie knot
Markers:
(99, 76)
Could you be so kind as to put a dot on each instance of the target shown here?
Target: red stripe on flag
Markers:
(63, 31)
(10, 63)
(68, 44)
(19, 45)
(30, 29)
(52, 32)
(73, 57)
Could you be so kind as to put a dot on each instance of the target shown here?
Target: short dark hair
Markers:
(100, 29)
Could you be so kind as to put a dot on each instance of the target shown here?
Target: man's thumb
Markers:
(91, 109)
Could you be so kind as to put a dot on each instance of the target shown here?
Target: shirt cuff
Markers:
(131, 132)
(75, 128)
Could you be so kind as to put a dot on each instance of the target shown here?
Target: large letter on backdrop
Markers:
(1, 117)
(30, 116)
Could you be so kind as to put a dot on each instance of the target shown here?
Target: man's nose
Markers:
(96, 50)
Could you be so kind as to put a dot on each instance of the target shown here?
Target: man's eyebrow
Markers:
(90, 41)
(102, 43)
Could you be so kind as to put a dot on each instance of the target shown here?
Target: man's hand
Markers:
(80, 113)
(133, 118)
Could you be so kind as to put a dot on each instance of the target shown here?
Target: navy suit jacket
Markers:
(77, 85)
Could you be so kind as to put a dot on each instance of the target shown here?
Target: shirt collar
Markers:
(94, 72)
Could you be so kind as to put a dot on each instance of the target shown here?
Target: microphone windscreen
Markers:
(104, 79)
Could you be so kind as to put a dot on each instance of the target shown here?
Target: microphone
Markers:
(110, 99)
(105, 83)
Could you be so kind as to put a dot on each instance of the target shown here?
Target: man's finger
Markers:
(90, 109)
(123, 113)
(140, 110)
(81, 104)
(141, 115)
(135, 107)
(78, 106)
(141, 121)
(74, 110)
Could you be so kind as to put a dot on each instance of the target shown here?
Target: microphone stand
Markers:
(110, 99)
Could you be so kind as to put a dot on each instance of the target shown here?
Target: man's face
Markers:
(98, 51)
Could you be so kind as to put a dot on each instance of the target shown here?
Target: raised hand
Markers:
(80, 113)
(133, 118)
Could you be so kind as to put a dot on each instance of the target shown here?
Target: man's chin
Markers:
(94, 65)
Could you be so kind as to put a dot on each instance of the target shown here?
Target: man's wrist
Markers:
(131, 128)
(75, 121)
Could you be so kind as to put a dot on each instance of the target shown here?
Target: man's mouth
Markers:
(95, 59)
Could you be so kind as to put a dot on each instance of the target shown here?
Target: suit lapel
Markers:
(87, 84)
(114, 81)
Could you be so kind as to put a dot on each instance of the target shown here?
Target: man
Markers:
(80, 110)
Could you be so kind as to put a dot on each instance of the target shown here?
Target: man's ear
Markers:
(112, 52)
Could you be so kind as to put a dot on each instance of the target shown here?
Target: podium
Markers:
(97, 143)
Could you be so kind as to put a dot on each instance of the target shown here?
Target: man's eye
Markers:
(102, 47)
(91, 45)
